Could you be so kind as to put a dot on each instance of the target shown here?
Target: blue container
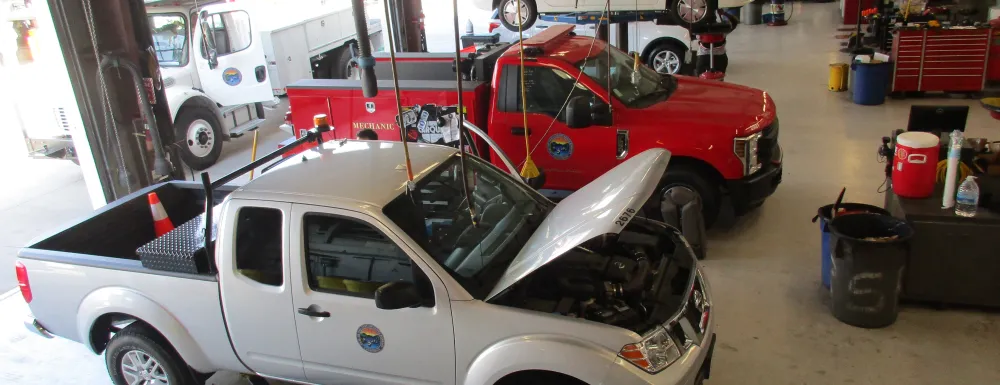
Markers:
(870, 82)
(824, 215)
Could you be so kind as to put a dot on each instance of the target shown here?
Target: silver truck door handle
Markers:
(313, 313)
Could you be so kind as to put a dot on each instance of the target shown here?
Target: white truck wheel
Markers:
(137, 355)
(199, 135)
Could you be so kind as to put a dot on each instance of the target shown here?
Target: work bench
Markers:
(952, 259)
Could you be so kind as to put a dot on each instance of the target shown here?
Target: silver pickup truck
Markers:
(331, 268)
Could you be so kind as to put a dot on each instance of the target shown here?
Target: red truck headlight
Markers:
(746, 150)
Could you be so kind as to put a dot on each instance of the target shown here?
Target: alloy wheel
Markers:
(140, 368)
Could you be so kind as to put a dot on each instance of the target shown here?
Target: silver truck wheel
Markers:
(139, 355)
(140, 368)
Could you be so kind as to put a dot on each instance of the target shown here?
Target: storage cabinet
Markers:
(940, 59)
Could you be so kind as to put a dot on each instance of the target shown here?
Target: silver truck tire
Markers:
(198, 132)
(138, 355)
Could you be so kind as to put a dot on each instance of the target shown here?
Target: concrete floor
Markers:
(773, 323)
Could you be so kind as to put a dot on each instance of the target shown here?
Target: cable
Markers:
(576, 83)
(528, 169)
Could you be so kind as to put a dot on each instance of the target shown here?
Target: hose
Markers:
(161, 166)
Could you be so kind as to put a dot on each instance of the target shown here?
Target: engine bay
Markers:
(634, 279)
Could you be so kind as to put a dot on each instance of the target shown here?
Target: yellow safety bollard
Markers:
(838, 77)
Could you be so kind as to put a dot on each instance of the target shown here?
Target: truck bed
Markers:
(115, 231)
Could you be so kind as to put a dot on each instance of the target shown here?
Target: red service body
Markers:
(914, 166)
(724, 133)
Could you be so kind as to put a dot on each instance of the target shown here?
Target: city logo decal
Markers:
(370, 338)
(232, 76)
(560, 147)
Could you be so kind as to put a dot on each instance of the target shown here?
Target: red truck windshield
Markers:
(635, 89)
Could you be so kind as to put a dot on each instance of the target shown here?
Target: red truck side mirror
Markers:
(579, 113)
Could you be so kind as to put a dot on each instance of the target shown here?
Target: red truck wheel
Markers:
(690, 178)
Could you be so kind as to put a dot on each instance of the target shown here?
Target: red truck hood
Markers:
(743, 109)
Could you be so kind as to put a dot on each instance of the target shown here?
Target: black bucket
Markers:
(869, 255)
(823, 215)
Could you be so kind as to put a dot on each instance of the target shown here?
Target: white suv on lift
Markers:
(680, 12)
(664, 48)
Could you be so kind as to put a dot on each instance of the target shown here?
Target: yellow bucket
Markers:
(838, 77)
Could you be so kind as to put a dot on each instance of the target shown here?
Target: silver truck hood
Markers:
(603, 206)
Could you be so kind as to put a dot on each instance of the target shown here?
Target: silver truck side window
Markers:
(258, 245)
(346, 256)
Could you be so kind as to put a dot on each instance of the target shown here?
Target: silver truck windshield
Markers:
(635, 89)
(437, 217)
(169, 39)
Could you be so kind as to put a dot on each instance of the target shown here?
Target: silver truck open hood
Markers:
(601, 207)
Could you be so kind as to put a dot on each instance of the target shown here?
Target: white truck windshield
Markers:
(169, 39)
(437, 217)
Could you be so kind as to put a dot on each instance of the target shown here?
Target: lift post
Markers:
(114, 127)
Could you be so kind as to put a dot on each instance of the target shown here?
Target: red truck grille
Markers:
(768, 150)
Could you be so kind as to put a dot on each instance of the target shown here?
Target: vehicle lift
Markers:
(602, 21)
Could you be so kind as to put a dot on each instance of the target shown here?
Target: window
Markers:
(229, 32)
(636, 89)
(169, 39)
(345, 256)
(438, 219)
(258, 245)
(547, 89)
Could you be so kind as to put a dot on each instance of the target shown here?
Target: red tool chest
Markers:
(940, 59)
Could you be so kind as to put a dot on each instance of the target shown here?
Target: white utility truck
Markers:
(219, 72)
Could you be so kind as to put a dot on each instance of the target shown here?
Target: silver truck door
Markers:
(341, 257)
(254, 277)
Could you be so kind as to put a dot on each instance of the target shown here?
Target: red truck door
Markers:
(570, 157)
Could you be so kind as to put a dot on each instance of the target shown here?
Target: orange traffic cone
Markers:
(161, 222)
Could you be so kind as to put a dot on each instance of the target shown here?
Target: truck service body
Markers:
(289, 289)
(723, 137)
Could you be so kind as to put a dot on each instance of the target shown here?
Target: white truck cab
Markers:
(222, 61)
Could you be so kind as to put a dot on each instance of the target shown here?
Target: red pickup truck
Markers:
(723, 137)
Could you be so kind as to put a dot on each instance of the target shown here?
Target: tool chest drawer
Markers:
(941, 59)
